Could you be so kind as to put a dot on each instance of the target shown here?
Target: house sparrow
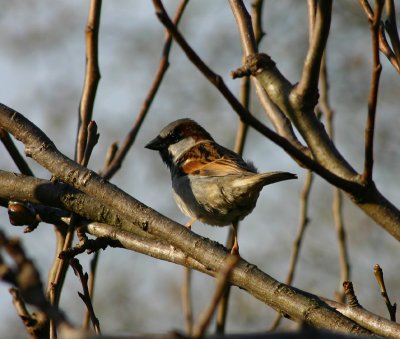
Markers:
(210, 182)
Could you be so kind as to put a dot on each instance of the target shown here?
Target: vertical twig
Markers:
(92, 78)
(337, 209)
(90, 285)
(187, 301)
(222, 279)
(303, 222)
(352, 300)
(379, 278)
(85, 296)
(241, 134)
(373, 94)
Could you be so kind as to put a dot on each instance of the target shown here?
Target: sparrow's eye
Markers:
(175, 136)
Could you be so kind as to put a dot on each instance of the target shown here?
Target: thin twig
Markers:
(222, 280)
(83, 277)
(116, 163)
(25, 276)
(92, 139)
(92, 77)
(308, 84)
(187, 301)
(373, 95)
(312, 13)
(90, 283)
(391, 28)
(86, 132)
(250, 41)
(14, 153)
(379, 278)
(303, 222)
(383, 43)
(352, 300)
(337, 208)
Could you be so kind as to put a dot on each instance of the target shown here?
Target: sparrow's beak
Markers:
(156, 144)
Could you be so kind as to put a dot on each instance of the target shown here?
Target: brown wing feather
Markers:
(213, 160)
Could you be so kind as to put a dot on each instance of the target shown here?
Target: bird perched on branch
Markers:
(210, 183)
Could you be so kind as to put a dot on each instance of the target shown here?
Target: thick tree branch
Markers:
(295, 303)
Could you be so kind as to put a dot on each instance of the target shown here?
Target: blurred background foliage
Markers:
(42, 63)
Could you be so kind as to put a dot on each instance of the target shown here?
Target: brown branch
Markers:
(117, 160)
(312, 13)
(92, 139)
(92, 275)
(303, 222)
(92, 77)
(381, 282)
(391, 28)
(373, 322)
(27, 279)
(307, 88)
(14, 153)
(350, 294)
(85, 296)
(383, 44)
(187, 301)
(221, 283)
(281, 124)
(285, 299)
(373, 95)
(337, 210)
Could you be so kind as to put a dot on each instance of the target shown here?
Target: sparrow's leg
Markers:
(235, 247)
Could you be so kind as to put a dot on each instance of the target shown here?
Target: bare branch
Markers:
(383, 43)
(391, 28)
(308, 84)
(117, 160)
(15, 155)
(83, 277)
(373, 95)
(375, 323)
(303, 222)
(281, 124)
(381, 282)
(222, 281)
(92, 77)
(337, 210)
(142, 217)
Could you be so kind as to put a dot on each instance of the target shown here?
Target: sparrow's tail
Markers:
(273, 177)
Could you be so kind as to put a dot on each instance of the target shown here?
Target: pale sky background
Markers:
(42, 66)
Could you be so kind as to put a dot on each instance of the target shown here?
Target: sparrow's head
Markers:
(177, 138)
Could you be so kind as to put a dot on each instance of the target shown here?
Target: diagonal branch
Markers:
(295, 303)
